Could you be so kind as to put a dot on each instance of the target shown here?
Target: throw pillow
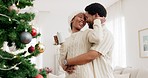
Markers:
(122, 75)
(143, 73)
(133, 71)
(118, 70)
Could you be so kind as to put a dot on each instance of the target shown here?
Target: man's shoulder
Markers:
(88, 30)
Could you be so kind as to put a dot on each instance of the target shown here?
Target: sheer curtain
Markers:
(115, 23)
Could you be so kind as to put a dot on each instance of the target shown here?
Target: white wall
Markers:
(136, 16)
(50, 23)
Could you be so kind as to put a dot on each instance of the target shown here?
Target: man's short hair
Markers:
(96, 8)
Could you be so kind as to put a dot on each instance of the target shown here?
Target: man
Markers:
(99, 56)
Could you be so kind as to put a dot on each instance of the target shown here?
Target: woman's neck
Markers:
(75, 30)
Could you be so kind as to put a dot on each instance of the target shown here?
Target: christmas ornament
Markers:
(13, 7)
(39, 76)
(34, 32)
(48, 70)
(12, 48)
(31, 49)
(40, 47)
(25, 37)
(5, 46)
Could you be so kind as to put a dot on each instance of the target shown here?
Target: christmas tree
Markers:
(16, 31)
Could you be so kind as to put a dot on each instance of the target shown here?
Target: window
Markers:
(115, 23)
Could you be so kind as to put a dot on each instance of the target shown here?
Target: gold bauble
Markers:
(40, 47)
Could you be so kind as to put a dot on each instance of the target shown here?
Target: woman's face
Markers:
(78, 21)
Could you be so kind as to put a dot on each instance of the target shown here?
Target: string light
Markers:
(9, 18)
(6, 16)
(18, 2)
(13, 67)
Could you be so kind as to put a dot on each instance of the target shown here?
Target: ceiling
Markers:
(106, 3)
(52, 5)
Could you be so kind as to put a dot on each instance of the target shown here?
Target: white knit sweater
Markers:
(81, 42)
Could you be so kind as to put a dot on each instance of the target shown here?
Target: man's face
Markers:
(89, 19)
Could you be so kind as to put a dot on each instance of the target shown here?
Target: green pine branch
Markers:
(12, 24)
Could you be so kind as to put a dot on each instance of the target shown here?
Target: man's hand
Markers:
(102, 19)
(69, 69)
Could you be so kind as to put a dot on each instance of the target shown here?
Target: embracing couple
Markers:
(88, 53)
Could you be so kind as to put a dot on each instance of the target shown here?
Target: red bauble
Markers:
(39, 76)
(34, 32)
(31, 49)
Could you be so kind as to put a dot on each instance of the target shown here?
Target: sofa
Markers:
(130, 72)
(119, 72)
(60, 74)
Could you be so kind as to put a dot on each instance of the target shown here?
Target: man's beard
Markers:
(90, 25)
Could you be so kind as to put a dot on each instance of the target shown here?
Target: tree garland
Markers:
(7, 58)
(12, 67)
(9, 18)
